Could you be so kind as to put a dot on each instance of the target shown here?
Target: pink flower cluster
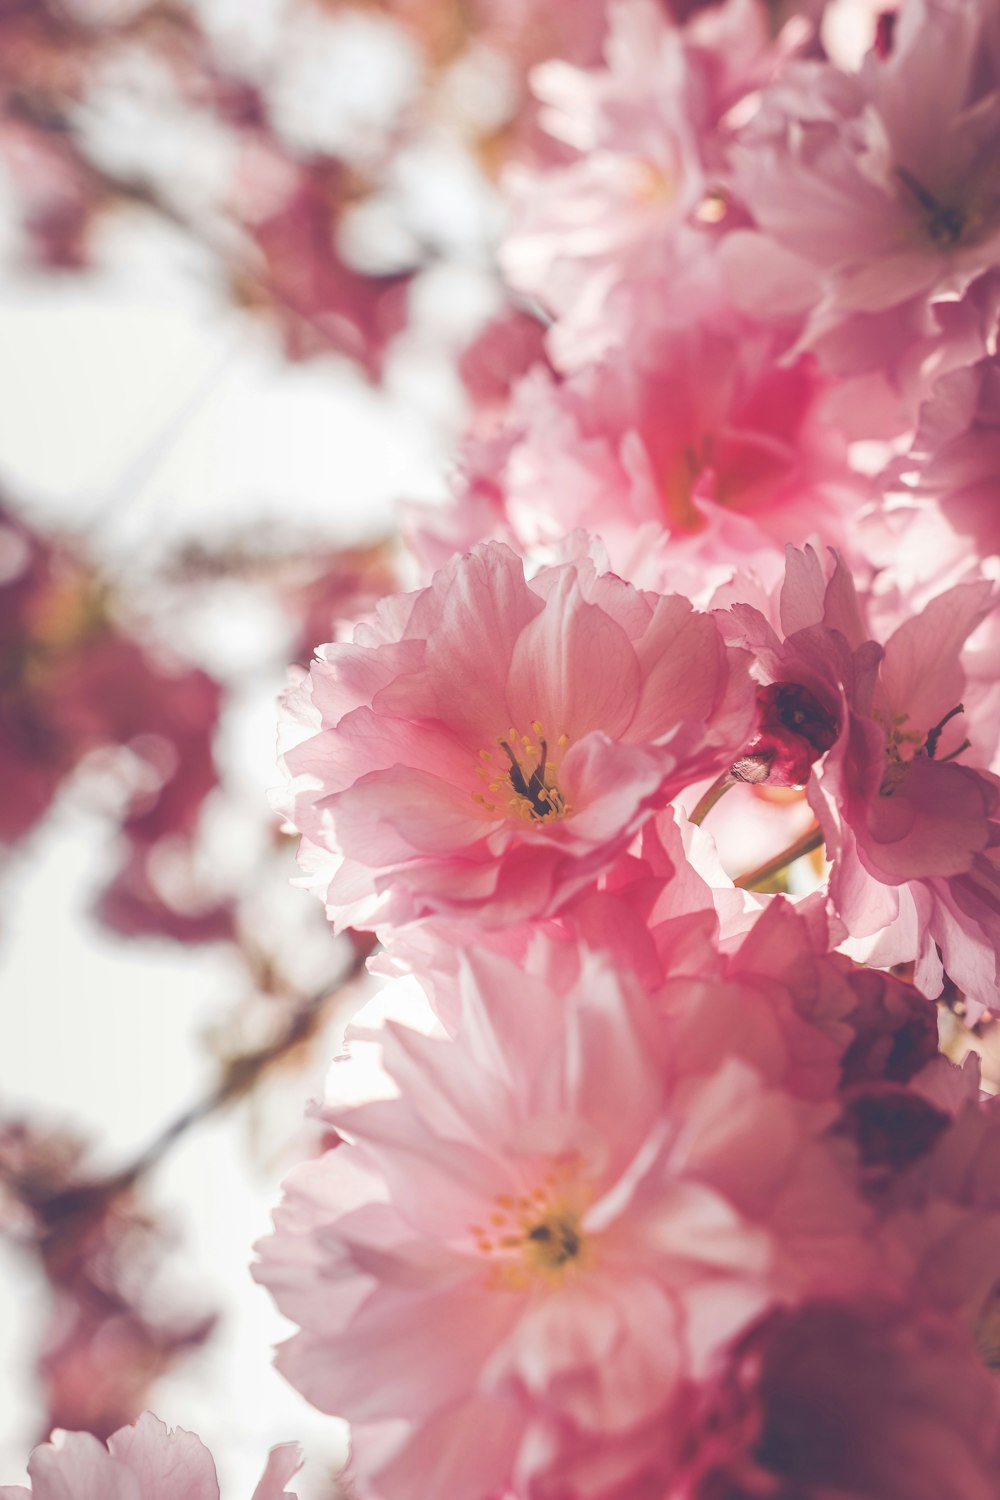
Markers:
(663, 1189)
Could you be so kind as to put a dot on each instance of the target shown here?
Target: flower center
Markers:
(682, 480)
(900, 740)
(651, 182)
(526, 787)
(946, 224)
(537, 1237)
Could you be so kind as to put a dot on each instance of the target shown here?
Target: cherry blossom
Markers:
(149, 1461)
(874, 193)
(629, 209)
(942, 516)
(909, 823)
(490, 743)
(656, 1163)
(694, 447)
(564, 1235)
(852, 1399)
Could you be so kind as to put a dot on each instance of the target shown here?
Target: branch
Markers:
(755, 880)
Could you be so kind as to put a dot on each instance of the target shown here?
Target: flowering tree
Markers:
(657, 785)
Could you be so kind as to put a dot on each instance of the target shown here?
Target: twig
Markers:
(715, 793)
(68, 1209)
(756, 879)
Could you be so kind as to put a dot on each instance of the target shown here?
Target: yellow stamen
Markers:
(549, 1242)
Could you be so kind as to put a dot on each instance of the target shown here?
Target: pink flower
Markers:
(911, 828)
(59, 193)
(146, 1462)
(957, 444)
(939, 1230)
(508, 346)
(516, 1261)
(766, 982)
(715, 962)
(780, 1000)
(895, 1030)
(628, 211)
(943, 514)
(690, 448)
(849, 1400)
(489, 744)
(319, 301)
(607, 218)
(804, 1018)
(875, 193)
(113, 1322)
(72, 681)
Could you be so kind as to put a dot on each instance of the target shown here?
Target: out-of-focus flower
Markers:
(895, 1030)
(943, 512)
(108, 1334)
(321, 302)
(875, 194)
(149, 1461)
(591, 236)
(59, 194)
(847, 1399)
(73, 681)
(508, 346)
(694, 447)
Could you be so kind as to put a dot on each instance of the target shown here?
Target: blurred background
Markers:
(246, 276)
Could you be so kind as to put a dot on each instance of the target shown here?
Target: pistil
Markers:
(537, 1237)
(898, 764)
(945, 224)
(532, 793)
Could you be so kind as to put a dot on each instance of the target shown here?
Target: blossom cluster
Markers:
(671, 794)
(662, 1189)
(312, 206)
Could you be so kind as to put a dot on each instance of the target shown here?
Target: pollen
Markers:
(903, 746)
(554, 1241)
(651, 183)
(527, 787)
(546, 1240)
(712, 209)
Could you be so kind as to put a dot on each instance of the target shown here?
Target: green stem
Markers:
(715, 793)
(755, 880)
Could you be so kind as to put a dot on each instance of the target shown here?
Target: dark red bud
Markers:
(885, 33)
(794, 731)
